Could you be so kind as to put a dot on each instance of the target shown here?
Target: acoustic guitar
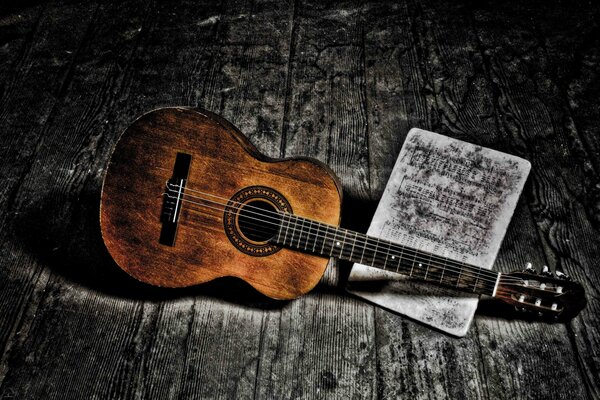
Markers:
(187, 199)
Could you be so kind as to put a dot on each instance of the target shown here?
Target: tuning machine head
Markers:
(562, 275)
(546, 295)
(546, 271)
(529, 268)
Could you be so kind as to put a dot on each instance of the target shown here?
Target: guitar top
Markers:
(191, 243)
(187, 199)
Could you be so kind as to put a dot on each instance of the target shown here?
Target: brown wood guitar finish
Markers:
(223, 162)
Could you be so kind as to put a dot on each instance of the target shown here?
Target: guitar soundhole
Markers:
(258, 221)
(251, 218)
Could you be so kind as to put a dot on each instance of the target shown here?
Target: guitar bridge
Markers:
(173, 199)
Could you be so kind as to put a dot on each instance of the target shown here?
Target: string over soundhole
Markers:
(258, 221)
(253, 217)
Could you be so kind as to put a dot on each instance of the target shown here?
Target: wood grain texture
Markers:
(337, 359)
(453, 78)
(340, 82)
(222, 164)
(413, 361)
(538, 119)
(31, 66)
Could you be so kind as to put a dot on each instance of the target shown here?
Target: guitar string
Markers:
(447, 266)
(405, 251)
(448, 281)
(299, 245)
(447, 262)
(433, 276)
(464, 267)
(463, 270)
(491, 274)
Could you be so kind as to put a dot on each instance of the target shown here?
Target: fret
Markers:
(451, 276)
(309, 234)
(476, 280)
(363, 252)
(343, 243)
(324, 234)
(459, 273)
(369, 253)
(428, 264)
(293, 225)
(399, 262)
(333, 242)
(324, 238)
(293, 231)
(419, 272)
(316, 238)
(353, 244)
(387, 254)
(301, 231)
(400, 257)
(375, 252)
(443, 270)
(290, 232)
(413, 264)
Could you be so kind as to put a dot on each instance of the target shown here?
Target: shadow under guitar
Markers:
(63, 233)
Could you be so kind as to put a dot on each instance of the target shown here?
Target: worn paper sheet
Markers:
(450, 198)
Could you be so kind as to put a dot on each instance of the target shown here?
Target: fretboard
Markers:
(317, 238)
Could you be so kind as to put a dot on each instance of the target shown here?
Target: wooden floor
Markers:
(343, 83)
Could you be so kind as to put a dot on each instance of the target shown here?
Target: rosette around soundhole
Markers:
(252, 217)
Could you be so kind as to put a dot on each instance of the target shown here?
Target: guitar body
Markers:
(220, 167)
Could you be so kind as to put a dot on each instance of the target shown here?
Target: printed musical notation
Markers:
(446, 197)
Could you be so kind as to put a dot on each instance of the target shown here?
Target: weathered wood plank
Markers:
(48, 176)
(454, 84)
(395, 87)
(126, 351)
(18, 33)
(45, 65)
(574, 71)
(202, 349)
(322, 345)
(341, 82)
(24, 113)
(327, 103)
(235, 73)
(402, 74)
(48, 207)
(535, 113)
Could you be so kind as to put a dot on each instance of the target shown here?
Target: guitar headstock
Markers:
(556, 298)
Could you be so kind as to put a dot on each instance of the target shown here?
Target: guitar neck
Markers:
(314, 237)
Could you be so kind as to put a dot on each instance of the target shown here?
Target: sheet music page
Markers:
(446, 197)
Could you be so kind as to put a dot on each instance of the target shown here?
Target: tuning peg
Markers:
(546, 271)
(529, 268)
(562, 275)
